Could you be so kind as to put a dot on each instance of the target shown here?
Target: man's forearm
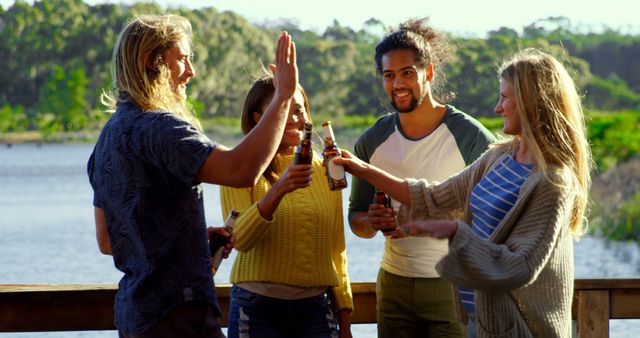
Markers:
(265, 137)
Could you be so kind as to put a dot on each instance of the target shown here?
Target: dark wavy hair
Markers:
(429, 47)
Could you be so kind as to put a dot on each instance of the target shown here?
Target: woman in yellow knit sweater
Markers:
(290, 240)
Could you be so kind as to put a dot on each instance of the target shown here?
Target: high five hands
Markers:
(285, 69)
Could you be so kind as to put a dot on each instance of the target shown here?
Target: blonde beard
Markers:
(181, 94)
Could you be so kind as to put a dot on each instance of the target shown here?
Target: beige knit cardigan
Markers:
(523, 274)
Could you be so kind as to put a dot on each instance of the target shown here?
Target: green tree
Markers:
(610, 94)
(228, 55)
(62, 105)
(12, 119)
(339, 32)
(328, 84)
(337, 67)
(623, 223)
(614, 137)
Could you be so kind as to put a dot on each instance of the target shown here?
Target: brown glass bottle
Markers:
(335, 173)
(381, 197)
(217, 242)
(304, 154)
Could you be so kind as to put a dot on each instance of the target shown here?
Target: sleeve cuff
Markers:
(456, 243)
(418, 209)
(461, 237)
(342, 298)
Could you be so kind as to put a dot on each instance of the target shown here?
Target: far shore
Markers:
(227, 137)
(39, 138)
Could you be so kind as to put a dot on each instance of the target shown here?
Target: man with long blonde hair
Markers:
(146, 170)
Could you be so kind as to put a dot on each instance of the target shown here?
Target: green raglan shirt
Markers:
(455, 143)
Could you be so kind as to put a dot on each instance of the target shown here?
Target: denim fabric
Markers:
(253, 315)
(190, 320)
(471, 325)
(142, 172)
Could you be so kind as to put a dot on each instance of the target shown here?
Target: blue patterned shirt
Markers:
(491, 199)
(142, 172)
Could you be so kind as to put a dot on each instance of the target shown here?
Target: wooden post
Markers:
(364, 301)
(593, 313)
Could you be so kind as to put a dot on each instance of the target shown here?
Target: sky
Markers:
(459, 17)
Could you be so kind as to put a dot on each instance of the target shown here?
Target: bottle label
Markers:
(335, 171)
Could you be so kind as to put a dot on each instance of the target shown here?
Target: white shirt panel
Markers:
(435, 157)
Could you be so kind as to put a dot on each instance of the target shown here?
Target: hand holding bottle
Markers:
(335, 173)
(304, 152)
(381, 214)
(295, 176)
(395, 187)
(352, 164)
(221, 240)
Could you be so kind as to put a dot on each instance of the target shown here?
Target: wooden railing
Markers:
(32, 308)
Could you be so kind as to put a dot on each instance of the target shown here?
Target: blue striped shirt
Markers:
(491, 199)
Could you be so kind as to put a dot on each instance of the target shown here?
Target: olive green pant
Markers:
(415, 307)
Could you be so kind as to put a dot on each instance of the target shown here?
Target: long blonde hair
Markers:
(139, 74)
(552, 122)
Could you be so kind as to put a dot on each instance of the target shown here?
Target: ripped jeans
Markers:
(253, 315)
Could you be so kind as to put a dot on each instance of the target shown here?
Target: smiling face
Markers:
(507, 108)
(406, 85)
(295, 123)
(178, 60)
(298, 116)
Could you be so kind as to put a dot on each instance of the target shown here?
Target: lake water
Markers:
(47, 233)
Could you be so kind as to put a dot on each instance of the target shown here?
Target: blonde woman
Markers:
(146, 170)
(522, 203)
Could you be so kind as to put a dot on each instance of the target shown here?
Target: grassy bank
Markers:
(21, 137)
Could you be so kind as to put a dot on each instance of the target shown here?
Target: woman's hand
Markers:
(432, 228)
(352, 163)
(294, 177)
(395, 187)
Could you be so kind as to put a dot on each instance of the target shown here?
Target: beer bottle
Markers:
(304, 154)
(217, 242)
(381, 198)
(335, 173)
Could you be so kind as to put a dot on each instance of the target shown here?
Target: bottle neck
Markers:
(307, 135)
(230, 223)
(327, 134)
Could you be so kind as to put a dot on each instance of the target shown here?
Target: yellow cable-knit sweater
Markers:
(302, 246)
